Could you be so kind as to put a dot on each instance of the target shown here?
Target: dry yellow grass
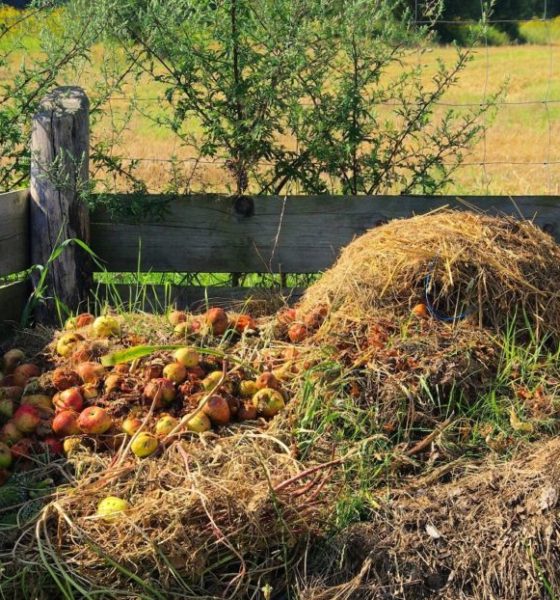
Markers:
(508, 160)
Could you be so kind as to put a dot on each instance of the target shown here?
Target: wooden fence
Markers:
(296, 234)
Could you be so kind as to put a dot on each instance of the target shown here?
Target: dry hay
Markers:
(489, 268)
(217, 517)
(493, 534)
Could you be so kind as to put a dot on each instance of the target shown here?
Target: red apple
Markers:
(24, 373)
(66, 423)
(94, 420)
(216, 320)
(297, 332)
(22, 448)
(70, 399)
(242, 322)
(26, 418)
(217, 410)
(10, 434)
(53, 446)
(84, 319)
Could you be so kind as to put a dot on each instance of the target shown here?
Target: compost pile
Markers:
(492, 533)
(207, 455)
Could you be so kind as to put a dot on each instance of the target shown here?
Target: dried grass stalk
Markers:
(489, 268)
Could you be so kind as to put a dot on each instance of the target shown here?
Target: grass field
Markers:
(508, 160)
(518, 154)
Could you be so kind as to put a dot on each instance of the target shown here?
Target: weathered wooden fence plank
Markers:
(297, 234)
(14, 232)
(13, 298)
(158, 298)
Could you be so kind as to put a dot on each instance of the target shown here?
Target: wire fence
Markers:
(516, 154)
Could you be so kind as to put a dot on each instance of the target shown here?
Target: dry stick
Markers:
(307, 472)
(429, 438)
(124, 452)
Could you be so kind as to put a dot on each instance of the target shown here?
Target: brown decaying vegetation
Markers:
(225, 513)
(492, 533)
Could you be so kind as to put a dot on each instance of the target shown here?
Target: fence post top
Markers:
(64, 100)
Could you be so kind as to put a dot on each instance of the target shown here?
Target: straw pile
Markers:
(462, 263)
(206, 519)
(490, 534)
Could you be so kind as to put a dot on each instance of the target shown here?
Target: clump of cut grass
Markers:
(222, 516)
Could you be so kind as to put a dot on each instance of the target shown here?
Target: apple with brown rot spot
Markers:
(160, 391)
(247, 411)
(90, 372)
(267, 380)
(66, 344)
(89, 391)
(62, 378)
(269, 402)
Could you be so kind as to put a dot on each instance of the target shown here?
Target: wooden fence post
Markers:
(59, 176)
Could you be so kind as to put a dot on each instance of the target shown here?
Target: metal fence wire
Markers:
(515, 154)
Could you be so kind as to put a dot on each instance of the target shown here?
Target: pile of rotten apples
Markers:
(66, 397)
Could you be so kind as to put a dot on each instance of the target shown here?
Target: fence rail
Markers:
(210, 233)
